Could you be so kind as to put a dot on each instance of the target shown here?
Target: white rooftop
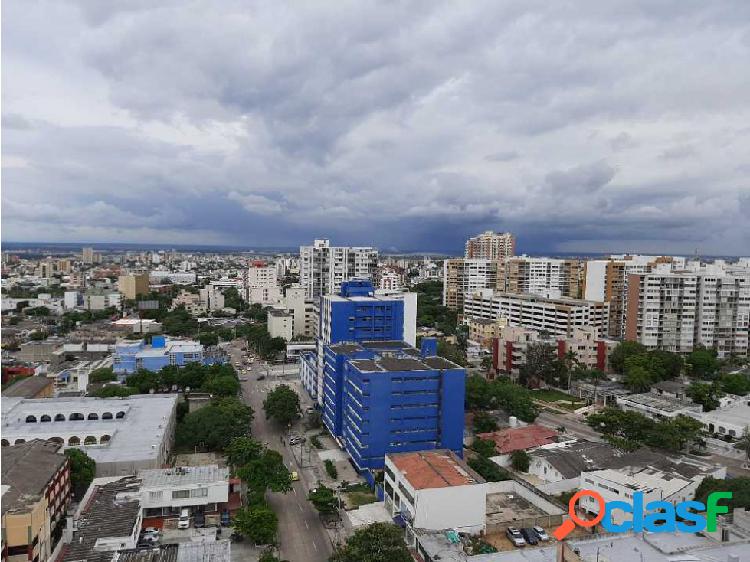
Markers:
(137, 435)
(183, 476)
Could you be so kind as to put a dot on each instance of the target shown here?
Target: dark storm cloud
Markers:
(579, 126)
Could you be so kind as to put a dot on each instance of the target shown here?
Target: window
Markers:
(199, 493)
(180, 494)
(153, 496)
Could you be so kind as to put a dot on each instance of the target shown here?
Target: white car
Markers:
(541, 533)
(515, 536)
(184, 521)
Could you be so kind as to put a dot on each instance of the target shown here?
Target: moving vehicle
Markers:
(541, 533)
(515, 536)
(529, 535)
(296, 440)
(184, 521)
(294, 475)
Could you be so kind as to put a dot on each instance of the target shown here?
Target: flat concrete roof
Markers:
(183, 475)
(138, 435)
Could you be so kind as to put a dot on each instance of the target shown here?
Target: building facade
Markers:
(546, 277)
(262, 284)
(559, 317)
(128, 357)
(131, 286)
(387, 397)
(323, 268)
(462, 277)
(491, 246)
(678, 311)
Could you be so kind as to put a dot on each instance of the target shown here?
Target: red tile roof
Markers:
(520, 438)
(434, 469)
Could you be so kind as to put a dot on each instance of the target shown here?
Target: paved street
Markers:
(301, 533)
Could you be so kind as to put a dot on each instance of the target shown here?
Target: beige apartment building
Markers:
(483, 331)
(547, 277)
(681, 310)
(131, 286)
(462, 276)
(491, 246)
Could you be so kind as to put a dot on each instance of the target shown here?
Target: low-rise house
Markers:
(35, 496)
(434, 490)
(731, 419)
(200, 489)
(162, 352)
(508, 441)
(655, 405)
(31, 387)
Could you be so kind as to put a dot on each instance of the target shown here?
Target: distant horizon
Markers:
(226, 248)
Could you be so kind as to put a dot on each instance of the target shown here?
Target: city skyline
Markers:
(578, 129)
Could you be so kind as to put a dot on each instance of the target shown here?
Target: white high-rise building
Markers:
(262, 284)
(324, 267)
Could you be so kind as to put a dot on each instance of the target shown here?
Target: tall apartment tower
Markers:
(681, 310)
(491, 246)
(131, 286)
(464, 276)
(87, 255)
(323, 268)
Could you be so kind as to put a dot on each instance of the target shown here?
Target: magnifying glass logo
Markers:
(569, 524)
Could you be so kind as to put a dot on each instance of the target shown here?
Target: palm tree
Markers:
(744, 444)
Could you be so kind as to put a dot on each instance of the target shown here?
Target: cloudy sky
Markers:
(580, 125)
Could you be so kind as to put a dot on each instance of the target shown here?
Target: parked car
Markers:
(296, 440)
(199, 520)
(184, 521)
(515, 536)
(151, 531)
(149, 539)
(226, 521)
(529, 535)
(294, 476)
(541, 533)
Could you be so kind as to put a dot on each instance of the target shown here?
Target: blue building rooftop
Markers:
(163, 351)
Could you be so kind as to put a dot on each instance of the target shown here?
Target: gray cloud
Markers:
(402, 125)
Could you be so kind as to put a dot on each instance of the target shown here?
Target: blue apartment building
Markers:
(387, 397)
(357, 314)
(163, 351)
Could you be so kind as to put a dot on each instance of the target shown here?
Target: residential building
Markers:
(657, 405)
(159, 276)
(35, 496)
(107, 521)
(191, 301)
(101, 299)
(546, 277)
(323, 268)
(280, 324)
(88, 255)
(674, 484)
(678, 311)
(389, 278)
(162, 352)
(262, 285)
(165, 492)
(71, 300)
(302, 309)
(133, 285)
(384, 397)
(434, 490)
(123, 435)
(138, 325)
(483, 331)
(558, 317)
(508, 441)
(730, 419)
(212, 297)
(462, 277)
(607, 281)
(491, 246)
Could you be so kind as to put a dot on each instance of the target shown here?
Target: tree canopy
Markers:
(515, 400)
(740, 488)
(215, 425)
(324, 500)
(379, 542)
(257, 522)
(82, 471)
(282, 405)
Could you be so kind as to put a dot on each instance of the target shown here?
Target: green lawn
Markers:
(356, 499)
(558, 398)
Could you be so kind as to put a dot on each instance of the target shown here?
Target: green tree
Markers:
(702, 362)
(331, 469)
(267, 472)
(484, 422)
(258, 523)
(478, 396)
(740, 488)
(520, 460)
(488, 469)
(541, 365)
(638, 379)
(114, 391)
(379, 542)
(222, 386)
(242, 451)
(735, 383)
(666, 364)
(623, 351)
(38, 335)
(209, 339)
(282, 404)
(104, 374)
(268, 556)
(215, 425)
(82, 471)
(706, 394)
(451, 352)
(324, 500)
(484, 447)
(144, 380)
(743, 443)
